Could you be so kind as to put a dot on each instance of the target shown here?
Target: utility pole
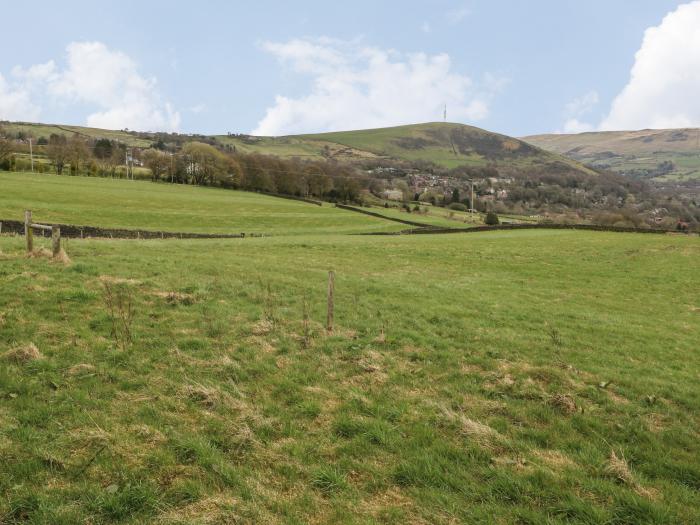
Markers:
(444, 114)
(471, 199)
(31, 154)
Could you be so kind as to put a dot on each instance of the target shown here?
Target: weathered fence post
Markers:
(28, 233)
(55, 240)
(331, 289)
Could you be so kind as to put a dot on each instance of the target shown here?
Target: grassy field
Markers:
(502, 377)
(432, 216)
(137, 204)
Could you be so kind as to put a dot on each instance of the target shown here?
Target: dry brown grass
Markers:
(262, 327)
(40, 253)
(62, 258)
(218, 509)
(555, 459)
(80, 369)
(478, 432)
(176, 297)
(23, 354)
(563, 402)
(117, 280)
(205, 396)
(618, 468)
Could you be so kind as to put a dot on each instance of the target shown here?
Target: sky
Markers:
(276, 68)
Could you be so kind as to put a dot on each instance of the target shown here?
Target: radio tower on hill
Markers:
(444, 114)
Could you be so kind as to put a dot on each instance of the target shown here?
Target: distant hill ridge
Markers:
(666, 154)
(445, 144)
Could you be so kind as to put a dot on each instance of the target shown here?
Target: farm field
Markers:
(432, 216)
(119, 203)
(501, 377)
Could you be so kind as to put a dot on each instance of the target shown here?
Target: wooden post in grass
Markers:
(55, 240)
(28, 233)
(331, 289)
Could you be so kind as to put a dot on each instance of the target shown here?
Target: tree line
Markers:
(193, 162)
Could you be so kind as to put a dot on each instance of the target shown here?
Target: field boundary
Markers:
(474, 229)
(80, 232)
(379, 215)
(289, 197)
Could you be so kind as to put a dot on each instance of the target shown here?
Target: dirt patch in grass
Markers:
(23, 354)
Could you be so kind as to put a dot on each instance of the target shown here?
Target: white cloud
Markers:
(578, 108)
(100, 78)
(574, 125)
(664, 83)
(16, 103)
(356, 86)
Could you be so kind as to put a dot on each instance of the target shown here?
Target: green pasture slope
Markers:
(119, 203)
(501, 377)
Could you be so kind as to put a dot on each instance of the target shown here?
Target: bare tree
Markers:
(78, 152)
(57, 151)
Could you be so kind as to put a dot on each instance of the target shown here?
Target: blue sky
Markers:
(278, 67)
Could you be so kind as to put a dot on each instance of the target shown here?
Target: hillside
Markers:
(445, 144)
(665, 154)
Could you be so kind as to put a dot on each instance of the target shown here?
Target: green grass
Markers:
(432, 216)
(481, 378)
(138, 204)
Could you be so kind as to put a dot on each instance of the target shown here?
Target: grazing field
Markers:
(121, 203)
(432, 216)
(502, 377)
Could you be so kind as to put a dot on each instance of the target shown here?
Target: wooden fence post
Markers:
(28, 233)
(55, 240)
(331, 289)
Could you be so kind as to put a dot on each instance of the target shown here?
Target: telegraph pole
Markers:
(31, 154)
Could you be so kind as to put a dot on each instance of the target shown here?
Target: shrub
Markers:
(458, 206)
(491, 219)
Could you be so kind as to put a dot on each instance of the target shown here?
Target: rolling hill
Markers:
(664, 154)
(445, 144)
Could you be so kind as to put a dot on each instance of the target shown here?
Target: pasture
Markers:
(501, 377)
(120, 203)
